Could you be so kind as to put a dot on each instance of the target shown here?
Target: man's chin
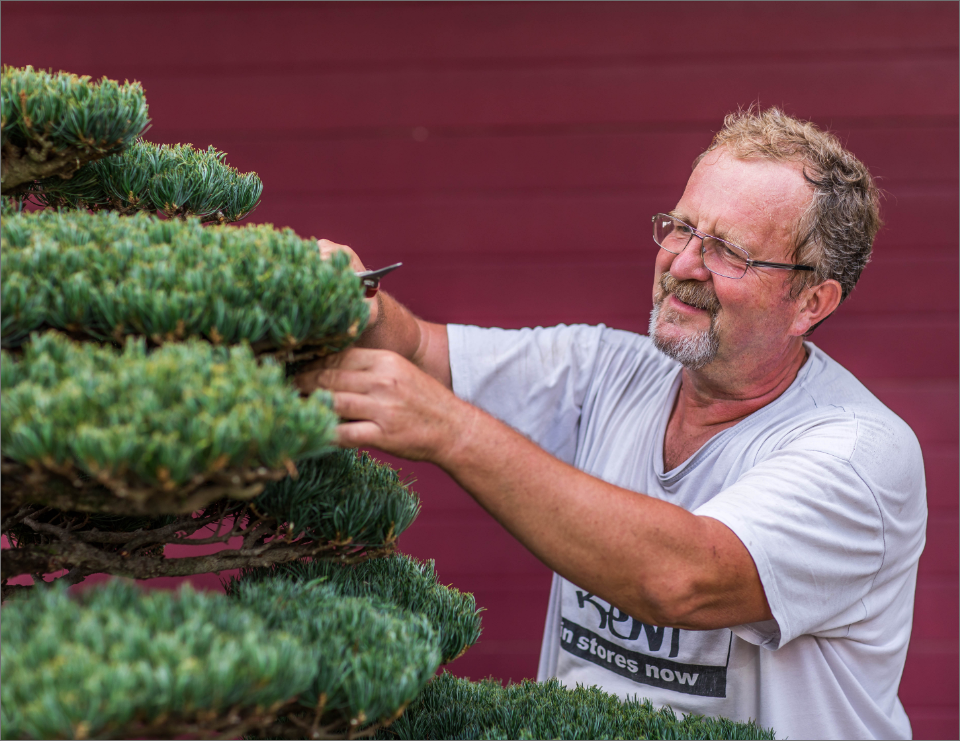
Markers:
(692, 348)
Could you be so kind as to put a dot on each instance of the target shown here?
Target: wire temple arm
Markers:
(780, 265)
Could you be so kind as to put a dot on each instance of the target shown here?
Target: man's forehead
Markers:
(755, 177)
(739, 196)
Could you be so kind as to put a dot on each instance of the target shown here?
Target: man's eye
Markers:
(730, 253)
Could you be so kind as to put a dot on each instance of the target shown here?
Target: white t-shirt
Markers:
(824, 486)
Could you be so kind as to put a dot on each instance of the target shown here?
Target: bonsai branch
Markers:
(21, 165)
(46, 541)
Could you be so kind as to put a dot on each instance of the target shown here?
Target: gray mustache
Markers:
(690, 292)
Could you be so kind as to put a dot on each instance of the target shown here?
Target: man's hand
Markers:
(327, 249)
(390, 404)
(393, 327)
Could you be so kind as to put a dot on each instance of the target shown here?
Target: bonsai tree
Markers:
(147, 344)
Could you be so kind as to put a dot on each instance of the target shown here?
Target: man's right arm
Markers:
(393, 327)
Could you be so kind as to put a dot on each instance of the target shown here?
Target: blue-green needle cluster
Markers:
(115, 661)
(453, 708)
(185, 410)
(342, 498)
(117, 658)
(400, 580)
(55, 122)
(107, 276)
(374, 656)
(177, 180)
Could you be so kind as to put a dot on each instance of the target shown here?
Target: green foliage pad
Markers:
(344, 498)
(453, 708)
(116, 661)
(131, 419)
(54, 123)
(399, 580)
(105, 276)
(116, 658)
(375, 657)
(176, 180)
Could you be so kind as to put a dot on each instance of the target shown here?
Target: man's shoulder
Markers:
(837, 414)
(833, 390)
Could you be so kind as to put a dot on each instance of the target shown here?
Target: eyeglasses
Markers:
(719, 256)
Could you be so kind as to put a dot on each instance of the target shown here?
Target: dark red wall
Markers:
(511, 155)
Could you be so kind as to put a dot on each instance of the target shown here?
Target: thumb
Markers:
(328, 248)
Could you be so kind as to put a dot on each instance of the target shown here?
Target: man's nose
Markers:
(688, 265)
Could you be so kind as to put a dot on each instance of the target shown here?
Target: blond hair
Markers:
(835, 235)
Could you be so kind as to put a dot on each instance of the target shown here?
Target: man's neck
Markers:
(714, 398)
(723, 393)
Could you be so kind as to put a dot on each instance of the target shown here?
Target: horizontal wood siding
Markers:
(511, 154)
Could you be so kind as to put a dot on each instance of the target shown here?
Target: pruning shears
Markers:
(371, 279)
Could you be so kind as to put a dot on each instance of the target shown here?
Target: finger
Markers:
(348, 405)
(336, 360)
(306, 383)
(307, 378)
(360, 358)
(311, 377)
(325, 361)
(357, 434)
(336, 380)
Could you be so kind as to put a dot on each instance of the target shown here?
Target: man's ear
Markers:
(816, 303)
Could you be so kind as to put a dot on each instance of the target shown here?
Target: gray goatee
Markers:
(692, 351)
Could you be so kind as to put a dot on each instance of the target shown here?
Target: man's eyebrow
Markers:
(719, 234)
(731, 239)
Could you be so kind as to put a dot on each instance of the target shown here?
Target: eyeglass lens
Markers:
(719, 257)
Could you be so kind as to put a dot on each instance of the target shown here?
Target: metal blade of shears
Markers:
(371, 279)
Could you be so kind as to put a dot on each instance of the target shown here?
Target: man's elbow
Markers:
(673, 602)
(692, 603)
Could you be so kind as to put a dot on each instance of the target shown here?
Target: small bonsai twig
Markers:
(254, 534)
(17, 517)
(44, 527)
(235, 530)
(71, 526)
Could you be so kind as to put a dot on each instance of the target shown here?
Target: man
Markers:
(733, 519)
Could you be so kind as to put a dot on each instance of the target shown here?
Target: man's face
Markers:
(699, 317)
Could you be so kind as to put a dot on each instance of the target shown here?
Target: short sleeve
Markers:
(815, 532)
(535, 380)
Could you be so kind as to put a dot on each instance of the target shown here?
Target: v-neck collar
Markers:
(668, 478)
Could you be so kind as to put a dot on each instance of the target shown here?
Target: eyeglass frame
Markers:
(703, 235)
